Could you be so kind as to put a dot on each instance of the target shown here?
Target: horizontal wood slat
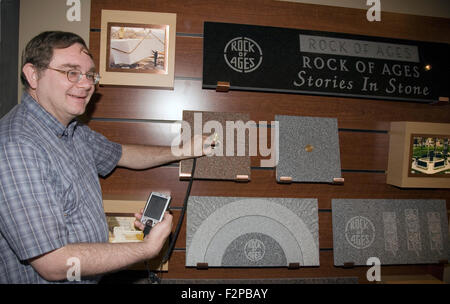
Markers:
(137, 133)
(359, 150)
(137, 184)
(142, 103)
(363, 151)
(192, 14)
(177, 269)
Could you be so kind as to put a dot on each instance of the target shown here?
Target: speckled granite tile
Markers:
(219, 167)
(308, 149)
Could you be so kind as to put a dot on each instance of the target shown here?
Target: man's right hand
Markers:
(158, 234)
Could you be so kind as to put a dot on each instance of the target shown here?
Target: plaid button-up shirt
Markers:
(50, 193)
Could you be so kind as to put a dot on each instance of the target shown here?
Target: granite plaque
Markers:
(252, 232)
(308, 149)
(231, 160)
(411, 231)
(263, 58)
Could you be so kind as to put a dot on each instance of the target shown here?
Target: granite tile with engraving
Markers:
(308, 149)
(397, 231)
(232, 158)
(252, 232)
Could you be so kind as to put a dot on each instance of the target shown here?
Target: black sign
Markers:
(273, 59)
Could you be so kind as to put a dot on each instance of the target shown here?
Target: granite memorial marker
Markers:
(397, 231)
(252, 232)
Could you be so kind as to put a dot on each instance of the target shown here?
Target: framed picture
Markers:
(419, 155)
(120, 218)
(429, 156)
(137, 48)
(121, 228)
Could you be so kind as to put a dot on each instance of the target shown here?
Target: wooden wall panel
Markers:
(140, 115)
(144, 133)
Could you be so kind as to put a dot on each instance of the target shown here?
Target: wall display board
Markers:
(308, 149)
(231, 159)
(419, 155)
(323, 63)
(412, 231)
(252, 232)
(137, 48)
(144, 115)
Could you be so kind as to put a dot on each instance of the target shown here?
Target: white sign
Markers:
(358, 48)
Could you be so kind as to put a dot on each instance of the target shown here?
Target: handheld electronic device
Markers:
(155, 207)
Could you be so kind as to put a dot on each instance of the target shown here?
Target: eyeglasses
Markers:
(75, 76)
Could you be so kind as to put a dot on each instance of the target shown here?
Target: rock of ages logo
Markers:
(243, 54)
(254, 250)
(360, 232)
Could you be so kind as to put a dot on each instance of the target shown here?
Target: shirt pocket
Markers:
(73, 198)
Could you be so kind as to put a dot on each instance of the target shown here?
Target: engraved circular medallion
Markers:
(243, 54)
(254, 250)
(360, 232)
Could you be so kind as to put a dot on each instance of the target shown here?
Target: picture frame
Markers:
(429, 156)
(419, 155)
(121, 228)
(137, 49)
(120, 218)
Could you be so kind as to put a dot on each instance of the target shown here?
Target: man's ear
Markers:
(31, 74)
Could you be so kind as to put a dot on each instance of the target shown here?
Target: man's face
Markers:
(63, 99)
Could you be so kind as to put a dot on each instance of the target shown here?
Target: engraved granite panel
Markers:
(412, 231)
(222, 165)
(308, 149)
(252, 232)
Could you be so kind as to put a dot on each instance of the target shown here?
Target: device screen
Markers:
(155, 207)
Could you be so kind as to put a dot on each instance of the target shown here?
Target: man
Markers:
(50, 198)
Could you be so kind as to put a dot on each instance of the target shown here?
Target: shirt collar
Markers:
(47, 119)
